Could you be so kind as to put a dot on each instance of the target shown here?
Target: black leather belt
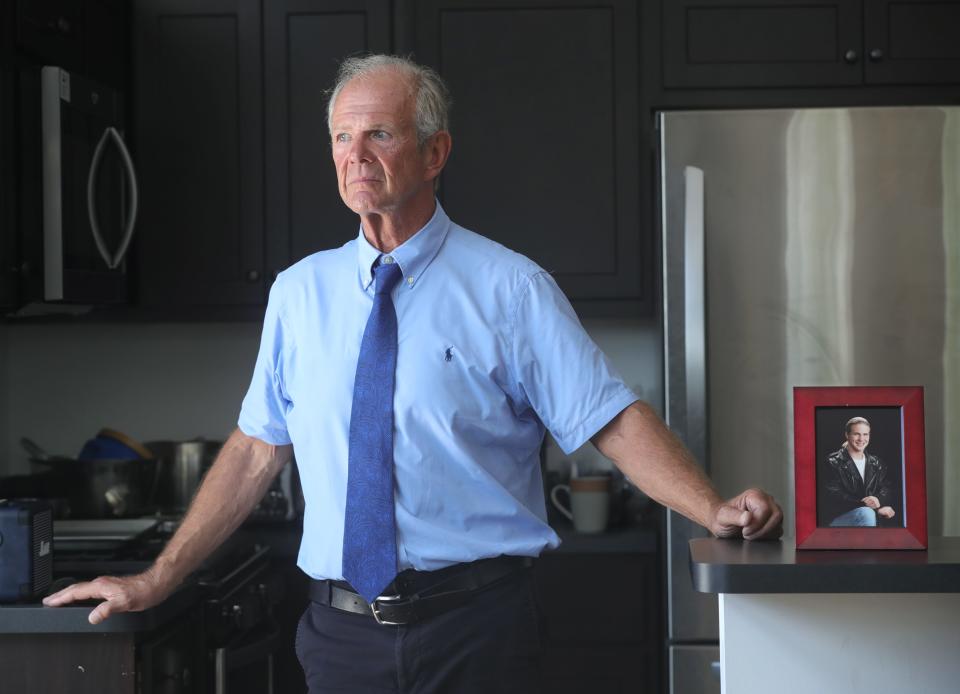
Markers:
(417, 595)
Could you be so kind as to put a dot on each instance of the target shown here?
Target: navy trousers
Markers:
(489, 644)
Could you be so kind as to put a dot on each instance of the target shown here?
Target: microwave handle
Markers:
(112, 261)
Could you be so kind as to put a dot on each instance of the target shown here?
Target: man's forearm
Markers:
(235, 483)
(657, 462)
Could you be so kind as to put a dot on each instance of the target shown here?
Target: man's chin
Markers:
(364, 204)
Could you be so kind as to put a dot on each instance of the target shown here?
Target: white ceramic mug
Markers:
(589, 502)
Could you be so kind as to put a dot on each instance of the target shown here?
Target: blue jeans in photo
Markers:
(862, 517)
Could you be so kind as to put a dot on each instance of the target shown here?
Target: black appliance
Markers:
(78, 188)
(224, 642)
(26, 556)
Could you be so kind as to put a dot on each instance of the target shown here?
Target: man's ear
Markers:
(436, 152)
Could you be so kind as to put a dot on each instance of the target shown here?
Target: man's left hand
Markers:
(753, 515)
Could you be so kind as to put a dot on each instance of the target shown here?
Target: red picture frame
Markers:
(817, 405)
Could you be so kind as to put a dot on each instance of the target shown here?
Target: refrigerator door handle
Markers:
(694, 296)
(715, 669)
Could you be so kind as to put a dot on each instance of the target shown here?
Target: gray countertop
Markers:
(284, 540)
(34, 618)
(736, 566)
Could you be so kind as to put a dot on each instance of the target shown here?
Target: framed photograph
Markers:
(859, 468)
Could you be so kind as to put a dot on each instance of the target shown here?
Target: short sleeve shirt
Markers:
(490, 353)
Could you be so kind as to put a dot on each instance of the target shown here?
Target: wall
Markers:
(59, 384)
(62, 383)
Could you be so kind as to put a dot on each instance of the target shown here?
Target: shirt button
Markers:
(409, 280)
(387, 259)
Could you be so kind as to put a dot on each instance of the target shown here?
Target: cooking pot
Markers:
(181, 467)
(104, 488)
(97, 487)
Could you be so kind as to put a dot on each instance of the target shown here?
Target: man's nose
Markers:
(358, 151)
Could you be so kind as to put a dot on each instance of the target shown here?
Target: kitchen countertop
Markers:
(35, 618)
(627, 540)
(736, 566)
(284, 539)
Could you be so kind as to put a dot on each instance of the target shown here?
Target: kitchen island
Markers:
(833, 621)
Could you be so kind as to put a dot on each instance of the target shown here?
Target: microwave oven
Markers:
(88, 193)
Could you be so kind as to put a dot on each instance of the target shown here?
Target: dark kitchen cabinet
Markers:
(546, 154)
(304, 42)
(232, 140)
(814, 43)
(761, 43)
(198, 113)
(78, 663)
(912, 41)
(600, 622)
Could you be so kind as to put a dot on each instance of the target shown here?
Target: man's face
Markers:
(379, 165)
(858, 437)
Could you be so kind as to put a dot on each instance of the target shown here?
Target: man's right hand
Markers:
(119, 594)
(871, 502)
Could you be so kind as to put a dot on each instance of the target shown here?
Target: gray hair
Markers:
(432, 109)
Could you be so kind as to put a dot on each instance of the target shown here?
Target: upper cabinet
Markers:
(912, 41)
(546, 156)
(198, 122)
(553, 143)
(304, 42)
(814, 43)
(231, 134)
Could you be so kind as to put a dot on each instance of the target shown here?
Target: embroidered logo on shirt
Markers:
(448, 355)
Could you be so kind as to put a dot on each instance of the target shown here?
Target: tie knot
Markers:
(387, 276)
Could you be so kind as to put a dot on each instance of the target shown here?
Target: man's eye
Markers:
(379, 135)
(342, 137)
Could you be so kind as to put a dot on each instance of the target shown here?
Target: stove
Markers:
(225, 638)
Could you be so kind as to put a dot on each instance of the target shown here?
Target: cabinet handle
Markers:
(876, 55)
(253, 275)
(851, 56)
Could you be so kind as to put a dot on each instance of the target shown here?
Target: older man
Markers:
(414, 371)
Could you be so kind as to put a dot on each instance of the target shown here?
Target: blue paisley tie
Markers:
(369, 531)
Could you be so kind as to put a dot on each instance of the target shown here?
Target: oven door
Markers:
(246, 664)
(172, 662)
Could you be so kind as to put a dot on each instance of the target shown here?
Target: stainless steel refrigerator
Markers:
(802, 248)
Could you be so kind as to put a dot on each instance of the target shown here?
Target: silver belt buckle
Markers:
(375, 605)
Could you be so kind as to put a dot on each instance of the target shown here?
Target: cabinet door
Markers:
(545, 132)
(199, 151)
(304, 42)
(912, 41)
(600, 622)
(761, 43)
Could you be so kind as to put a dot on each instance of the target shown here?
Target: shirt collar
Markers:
(413, 255)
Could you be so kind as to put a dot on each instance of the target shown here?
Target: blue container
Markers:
(26, 548)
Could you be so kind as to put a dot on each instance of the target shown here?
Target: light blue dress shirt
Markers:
(489, 351)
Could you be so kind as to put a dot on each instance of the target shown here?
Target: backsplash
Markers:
(61, 383)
